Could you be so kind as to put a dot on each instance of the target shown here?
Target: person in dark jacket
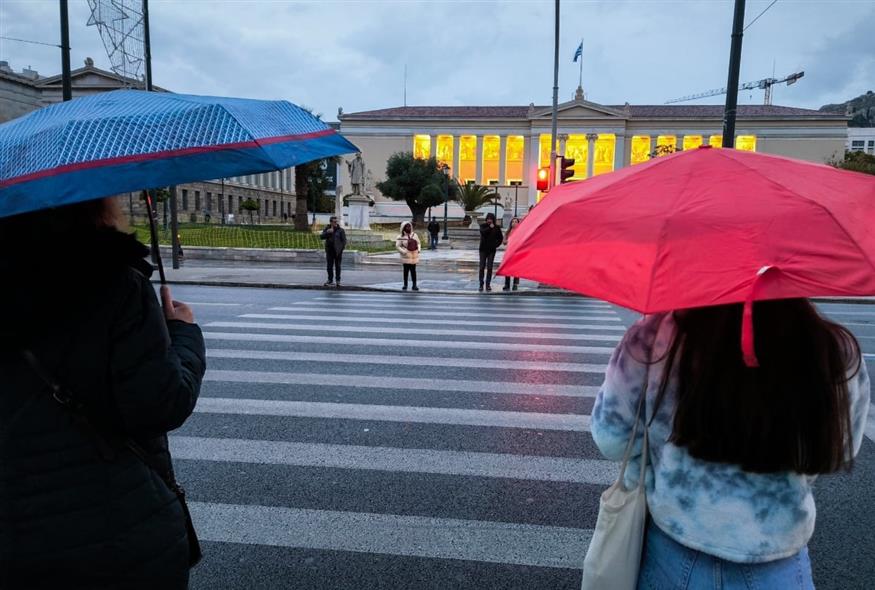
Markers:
(434, 228)
(73, 515)
(490, 240)
(335, 242)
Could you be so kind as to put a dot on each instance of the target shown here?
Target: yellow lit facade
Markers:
(421, 146)
(491, 159)
(515, 158)
(747, 143)
(716, 141)
(668, 143)
(640, 149)
(544, 150)
(603, 159)
(445, 151)
(576, 147)
(467, 159)
(691, 142)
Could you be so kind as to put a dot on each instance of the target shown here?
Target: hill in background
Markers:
(861, 110)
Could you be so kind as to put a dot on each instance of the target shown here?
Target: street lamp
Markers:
(446, 170)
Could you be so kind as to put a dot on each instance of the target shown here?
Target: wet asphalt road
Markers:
(340, 444)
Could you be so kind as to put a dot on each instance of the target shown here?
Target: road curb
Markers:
(302, 287)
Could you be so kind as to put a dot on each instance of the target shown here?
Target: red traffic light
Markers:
(543, 178)
(565, 169)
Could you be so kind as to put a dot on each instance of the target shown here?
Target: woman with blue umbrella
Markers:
(95, 372)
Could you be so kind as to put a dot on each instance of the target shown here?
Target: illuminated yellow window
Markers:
(603, 158)
(514, 155)
(716, 141)
(544, 150)
(491, 153)
(576, 147)
(467, 158)
(747, 143)
(421, 146)
(691, 142)
(666, 144)
(445, 150)
(640, 148)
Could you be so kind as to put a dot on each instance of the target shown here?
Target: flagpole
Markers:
(580, 80)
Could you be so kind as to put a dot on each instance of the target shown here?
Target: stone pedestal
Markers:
(474, 223)
(359, 212)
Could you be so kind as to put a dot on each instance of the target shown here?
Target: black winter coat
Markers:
(490, 237)
(69, 518)
(334, 241)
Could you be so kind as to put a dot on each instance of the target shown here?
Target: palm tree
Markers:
(474, 196)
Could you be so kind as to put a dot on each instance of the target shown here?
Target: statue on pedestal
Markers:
(356, 174)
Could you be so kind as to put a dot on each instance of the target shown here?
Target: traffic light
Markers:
(565, 169)
(543, 179)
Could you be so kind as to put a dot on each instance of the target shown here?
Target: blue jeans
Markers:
(668, 565)
(432, 241)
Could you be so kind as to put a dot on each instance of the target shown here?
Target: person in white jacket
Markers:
(408, 246)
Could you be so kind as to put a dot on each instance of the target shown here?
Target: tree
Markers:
(473, 196)
(856, 161)
(417, 181)
(249, 205)
(311, 180)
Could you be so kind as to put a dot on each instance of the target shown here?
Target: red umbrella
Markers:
(704, 227)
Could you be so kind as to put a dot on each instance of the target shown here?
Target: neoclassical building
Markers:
(505, 145)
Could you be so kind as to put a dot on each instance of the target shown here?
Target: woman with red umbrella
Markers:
(716, 246)
(733, 450)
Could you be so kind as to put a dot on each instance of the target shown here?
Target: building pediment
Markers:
(579, 109)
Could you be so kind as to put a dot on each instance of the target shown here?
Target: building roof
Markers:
(636, 111)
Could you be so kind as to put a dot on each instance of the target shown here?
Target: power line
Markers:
(29, 41)
(759, 15)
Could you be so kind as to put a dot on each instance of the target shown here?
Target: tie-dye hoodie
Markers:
(714, 507)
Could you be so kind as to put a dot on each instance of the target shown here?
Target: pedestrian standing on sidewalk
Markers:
(408, 246)
(507, 280)
(733, 451)
(434, 228)
(335, 242)
(85, 483)
(490, 240)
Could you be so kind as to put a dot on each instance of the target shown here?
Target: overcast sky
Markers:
(327, 54)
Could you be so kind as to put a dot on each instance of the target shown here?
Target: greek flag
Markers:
(579, 53)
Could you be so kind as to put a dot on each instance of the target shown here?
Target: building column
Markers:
(502, 159)
(457, 156)
(563, 138)
(432, 146)
(653, 140)
(679, 146)
(478, 155)
(620, 151)
(590, 153)
(530, 178)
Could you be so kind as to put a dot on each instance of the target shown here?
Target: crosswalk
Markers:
(446, 433)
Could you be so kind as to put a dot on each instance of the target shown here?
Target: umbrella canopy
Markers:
(704, 227)
(128, 140)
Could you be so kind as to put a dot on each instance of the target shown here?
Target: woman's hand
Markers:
(175, 310)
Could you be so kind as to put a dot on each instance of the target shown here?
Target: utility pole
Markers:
(66, 81)
(734, 70)
(147, 46)
(555, 101)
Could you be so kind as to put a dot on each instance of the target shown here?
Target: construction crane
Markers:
(765, 84)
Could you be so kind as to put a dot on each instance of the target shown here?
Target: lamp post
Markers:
(495, 202)
(516, 192)
(446, 170)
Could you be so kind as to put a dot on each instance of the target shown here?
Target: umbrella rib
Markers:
(659, 241)
(820, 206)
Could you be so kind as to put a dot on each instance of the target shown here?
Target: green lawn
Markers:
(241, 236)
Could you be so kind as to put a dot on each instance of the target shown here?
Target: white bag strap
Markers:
(629, 445)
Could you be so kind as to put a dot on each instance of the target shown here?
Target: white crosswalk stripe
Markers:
(598, 316)
(405, 331)
(358, 369)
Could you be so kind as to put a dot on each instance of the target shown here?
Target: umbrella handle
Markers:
(153, 231)
(747, 335)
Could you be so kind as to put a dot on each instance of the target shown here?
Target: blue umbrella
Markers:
(128, 140)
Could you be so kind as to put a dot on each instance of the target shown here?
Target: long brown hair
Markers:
(790, 414)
